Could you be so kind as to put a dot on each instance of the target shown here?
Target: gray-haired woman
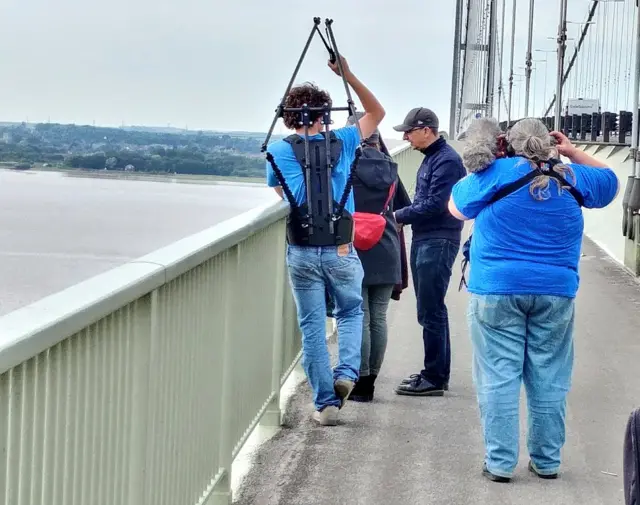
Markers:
(523, 281)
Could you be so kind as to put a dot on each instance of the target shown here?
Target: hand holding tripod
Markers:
(334, 57)
(304, 216)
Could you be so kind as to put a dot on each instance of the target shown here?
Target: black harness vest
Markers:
(321, 220)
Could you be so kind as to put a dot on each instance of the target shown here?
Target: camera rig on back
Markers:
(320, 221)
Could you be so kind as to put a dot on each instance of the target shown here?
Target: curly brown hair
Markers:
(299, 95)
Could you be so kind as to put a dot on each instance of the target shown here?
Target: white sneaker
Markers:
(327, 417)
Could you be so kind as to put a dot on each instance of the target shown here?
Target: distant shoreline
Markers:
(143, 176)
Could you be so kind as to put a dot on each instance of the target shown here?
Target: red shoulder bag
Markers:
(369, 227)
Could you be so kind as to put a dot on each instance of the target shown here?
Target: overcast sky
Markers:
(217, 64)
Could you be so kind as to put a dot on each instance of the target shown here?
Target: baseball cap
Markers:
(420, 117)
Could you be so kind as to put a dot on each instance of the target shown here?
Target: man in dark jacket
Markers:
(435, 244)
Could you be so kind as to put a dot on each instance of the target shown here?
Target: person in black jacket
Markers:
(435, 244)
(374, 188)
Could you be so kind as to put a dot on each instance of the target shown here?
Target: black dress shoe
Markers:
(414, 376)
(410, 379)
(419, 387)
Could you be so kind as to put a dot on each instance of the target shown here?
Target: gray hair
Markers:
(480, 144)
(530, 139)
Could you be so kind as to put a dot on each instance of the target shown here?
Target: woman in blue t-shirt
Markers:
(523, 280)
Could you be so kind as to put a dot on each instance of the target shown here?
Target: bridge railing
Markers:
(605, 127)
(139, 386)
(408, 160)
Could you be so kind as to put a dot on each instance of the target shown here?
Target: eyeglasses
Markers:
(415, 129)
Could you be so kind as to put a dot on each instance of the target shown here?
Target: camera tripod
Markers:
(334, 56)
(305, 122)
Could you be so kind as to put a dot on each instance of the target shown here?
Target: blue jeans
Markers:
(311, 269)
(431, 264)
(522, 338)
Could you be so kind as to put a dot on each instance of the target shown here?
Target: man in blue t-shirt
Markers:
(335, 268)
(523, 281)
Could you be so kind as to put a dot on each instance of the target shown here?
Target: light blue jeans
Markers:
(522, 338)
(310, 270)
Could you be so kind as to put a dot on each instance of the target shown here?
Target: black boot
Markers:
(371, 386)
(363, 391)
(359, 388)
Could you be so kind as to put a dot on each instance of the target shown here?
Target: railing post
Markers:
(141, 425)
(221, 494)
(273, 415)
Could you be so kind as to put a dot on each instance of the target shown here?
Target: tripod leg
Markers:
(329, 165)
(316, 22)
(332, 54)
(307, 167)
(352, 107)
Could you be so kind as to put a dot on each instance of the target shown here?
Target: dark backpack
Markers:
(511, 188)
(376, 171)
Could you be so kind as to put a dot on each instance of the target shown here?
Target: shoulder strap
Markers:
(523, 181)
(293, 138)
(298, 145)
(335, 146)
(566, 184)
(392, 189)
(515, 185)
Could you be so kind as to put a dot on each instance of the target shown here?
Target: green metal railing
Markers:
(140, 386)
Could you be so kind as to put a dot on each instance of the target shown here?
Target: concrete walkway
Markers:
(408, 451)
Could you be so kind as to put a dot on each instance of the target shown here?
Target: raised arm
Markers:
(373, 112)
(575, 155)
(579, 157)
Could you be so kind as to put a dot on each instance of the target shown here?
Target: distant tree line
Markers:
(174, 161)
(95, 148)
